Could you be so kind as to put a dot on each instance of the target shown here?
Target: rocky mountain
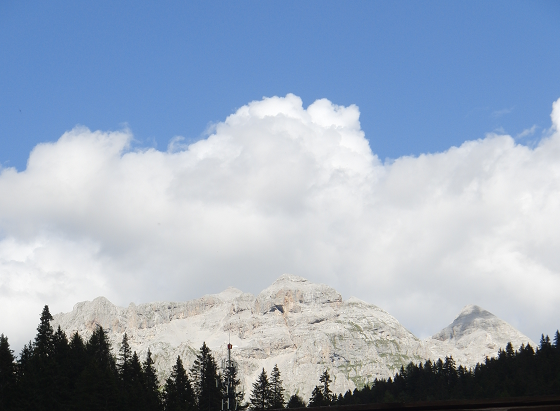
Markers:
(474, 335)
(301, 326)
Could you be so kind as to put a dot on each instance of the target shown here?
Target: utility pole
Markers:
(229, 401)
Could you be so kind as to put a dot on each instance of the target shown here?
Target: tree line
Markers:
(524, 372)
(513, 373)
(53, 372)
(56, 373)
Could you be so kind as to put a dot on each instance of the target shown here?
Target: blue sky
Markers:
(425, 75)
(92, 94)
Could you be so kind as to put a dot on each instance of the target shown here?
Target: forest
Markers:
(55, 372)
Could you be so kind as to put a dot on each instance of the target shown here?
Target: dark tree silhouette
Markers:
(178, 394)
(151, 386)
(37, 371)
(207, 384)
(295, 401)
(125, 356)
(316, 399)
(261, 395)
(322, 394)
(7, 374)
(98, 384)
(43, 346)
(276, 389)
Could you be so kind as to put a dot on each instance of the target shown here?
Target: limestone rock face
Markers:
(474, 335)
(301, 326)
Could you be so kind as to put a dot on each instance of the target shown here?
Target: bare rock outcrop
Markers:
(301, 326)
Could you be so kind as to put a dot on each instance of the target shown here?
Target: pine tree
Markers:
(276, 389)
(510, 352)
(7, 374)
(178, 394)
(316, 399)
(77, 358)
(322, 394)
(24, 394)
(128, 395)
(450, 371)
(151, 386)
(125, 356)
(545, 342)
(260, 398)
(131, 377)
(134, 395)
(99, 349)
(44, 340)
(61, 369)
(38, 378)
(23, 360)
(60, 344)
(76, 354)
(97, 387)
(295, 401)
(339, 399)
(207, 384)
(327, 393)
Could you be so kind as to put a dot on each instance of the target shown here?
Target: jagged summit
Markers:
(471, 317)
(297, 284)
(302, 326)
(471, 312)
(229, 294)
(474, 335)
(290, 278)
(472, 309)
(290, 293)
(102, 304)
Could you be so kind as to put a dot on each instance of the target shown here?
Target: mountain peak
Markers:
(473, 335)
(289, 292)
(470, 318)
(300, 325)
(471, 312)
(290, 278)
(230, 293)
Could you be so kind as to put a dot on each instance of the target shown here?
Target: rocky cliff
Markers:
(301, 326)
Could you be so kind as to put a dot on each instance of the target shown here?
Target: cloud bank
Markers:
(279, 188)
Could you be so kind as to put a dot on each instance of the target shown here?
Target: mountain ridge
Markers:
(302, 326)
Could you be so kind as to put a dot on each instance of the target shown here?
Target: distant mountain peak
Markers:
(290, 293)
(290, 278)
(471, 311)
(474, 334)
(472, 317)
(230, 293)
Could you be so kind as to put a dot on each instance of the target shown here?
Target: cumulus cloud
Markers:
(279, 188)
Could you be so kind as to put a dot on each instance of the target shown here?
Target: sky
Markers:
(406, 153)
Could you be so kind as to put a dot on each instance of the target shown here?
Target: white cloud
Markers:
(279, 188)
(527, 132)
